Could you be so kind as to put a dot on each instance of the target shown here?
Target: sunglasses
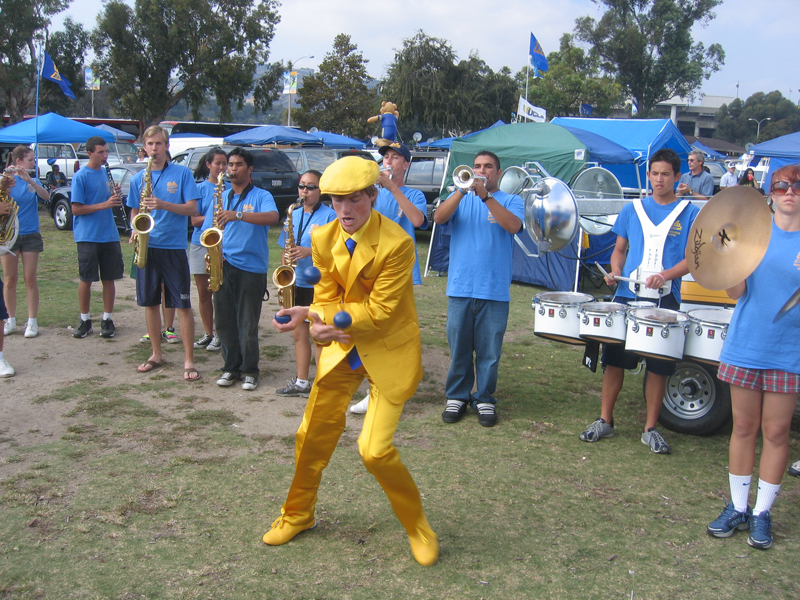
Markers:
(779, 188)
(310, 188)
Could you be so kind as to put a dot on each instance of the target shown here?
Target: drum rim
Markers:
(537, 299)
(710, 321)
(682, 321)
(595, 307)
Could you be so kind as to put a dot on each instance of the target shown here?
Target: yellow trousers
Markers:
(315, 441)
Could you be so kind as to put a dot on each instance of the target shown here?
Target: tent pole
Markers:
(578, 254)
(433, 229)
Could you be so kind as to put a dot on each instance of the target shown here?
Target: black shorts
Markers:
(30, 242)
(3, 311)
(303, 296)
(170, 267)
(616, 356)
(103, 256)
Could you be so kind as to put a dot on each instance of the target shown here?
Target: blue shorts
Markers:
(167, 267)
(616, 356)
(3, 311)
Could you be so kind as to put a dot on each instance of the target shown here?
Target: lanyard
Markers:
(160, 175)
(301, 229)
(242, 196)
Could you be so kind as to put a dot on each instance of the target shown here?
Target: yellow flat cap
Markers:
(348, 175)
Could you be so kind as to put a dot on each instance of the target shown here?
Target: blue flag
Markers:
(49, 71)
(538, 59)
(586, 109)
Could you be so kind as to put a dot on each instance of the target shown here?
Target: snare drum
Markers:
(603, 322)
(656, 332)
(641, 304)
(707, 330)
(557, 316)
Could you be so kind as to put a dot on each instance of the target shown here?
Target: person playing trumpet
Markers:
(483, 223)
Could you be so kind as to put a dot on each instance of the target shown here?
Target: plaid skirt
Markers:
(766, 380)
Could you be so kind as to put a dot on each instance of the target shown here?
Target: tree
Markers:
(573, 78)
(734, 124)
(25, 25)
(67, 49)
(647, 46)
(337, 98)
(434, 90)
(160, 52)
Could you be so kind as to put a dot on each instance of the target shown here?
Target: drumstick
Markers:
(790, 304)
(619, 277)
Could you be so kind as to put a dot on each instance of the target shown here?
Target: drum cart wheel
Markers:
(695, 401)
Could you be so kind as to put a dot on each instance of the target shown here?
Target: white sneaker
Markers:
(8, 328)
(249, 383)
(360, 408)
(31, 330)
(6, 370)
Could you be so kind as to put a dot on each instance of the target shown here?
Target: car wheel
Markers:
(62, 214)
(695, 401)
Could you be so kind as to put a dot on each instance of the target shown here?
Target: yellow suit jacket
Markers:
(375, 287)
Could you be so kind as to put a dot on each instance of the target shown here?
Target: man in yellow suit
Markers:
(365, 261)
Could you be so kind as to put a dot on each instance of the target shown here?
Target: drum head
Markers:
(661, 316)
(563, 298)
(604, 307)
(715, 316)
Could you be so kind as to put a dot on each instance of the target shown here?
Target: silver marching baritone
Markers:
(143, 223)
(464, 177)
(211, 240)
(285, 277)
(9, 224)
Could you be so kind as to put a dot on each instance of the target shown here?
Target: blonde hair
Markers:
(155, 130)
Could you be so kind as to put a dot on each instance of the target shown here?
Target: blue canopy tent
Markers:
(781, 151)
(334, 140)
(709, 152)
(52, 129)
(117, 133)
(642, 137)
(272, 134)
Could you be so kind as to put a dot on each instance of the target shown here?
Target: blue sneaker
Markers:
(760, 531)
(729, 521)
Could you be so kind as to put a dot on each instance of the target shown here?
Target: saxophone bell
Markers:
(285, 276)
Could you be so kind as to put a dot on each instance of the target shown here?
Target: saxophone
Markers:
(284, 277)
(143, 223)
(211, 239)
(9, 224)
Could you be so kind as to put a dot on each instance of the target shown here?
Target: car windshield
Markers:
(123, 147)
(271, 160)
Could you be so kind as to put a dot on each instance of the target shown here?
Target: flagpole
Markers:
(38, 81)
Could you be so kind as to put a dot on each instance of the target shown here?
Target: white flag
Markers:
(530, 112)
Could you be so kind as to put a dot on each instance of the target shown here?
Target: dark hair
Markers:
(93, 142)
(201, 171)
(245, 154)
(667, 155)
(790, 173)
(743, 180)
(313, 172)
(18, 153)
(490, 154)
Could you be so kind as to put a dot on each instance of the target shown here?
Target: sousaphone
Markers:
(729, 238)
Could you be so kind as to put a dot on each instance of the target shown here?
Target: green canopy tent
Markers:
(553, 147)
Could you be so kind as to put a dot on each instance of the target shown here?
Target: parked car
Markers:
(319, 158)
(272, 171)
(119, 153)
(426, 173)
(60, 205)
(64, 155)
(717, 170)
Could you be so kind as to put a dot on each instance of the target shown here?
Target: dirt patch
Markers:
(55, 372)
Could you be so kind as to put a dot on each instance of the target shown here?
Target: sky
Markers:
(753, 34)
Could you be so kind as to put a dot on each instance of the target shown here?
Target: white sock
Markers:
(303, 383)
(740, 490)
(12, 321)
(33, 321)
(85, 316)
(767, 492)
(107, 316)
(1, 355)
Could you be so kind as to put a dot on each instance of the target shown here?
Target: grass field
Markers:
(147, 495)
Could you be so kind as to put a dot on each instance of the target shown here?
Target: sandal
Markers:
(191, 371)
(149, 365)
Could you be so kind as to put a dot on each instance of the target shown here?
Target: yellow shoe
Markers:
(282, 532)
(424, 545)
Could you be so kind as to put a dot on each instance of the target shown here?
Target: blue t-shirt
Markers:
(244, 245)
(321, 216)
(629, 227)
(174, 184)
(28, 201)
(753, 340)
(481, 250)
(388, 207)
(701, 184)
(205, 207)
(91, 186)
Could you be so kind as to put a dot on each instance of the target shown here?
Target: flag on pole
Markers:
(538, 59)
(586, 109)
(49, 71)
(528, 111)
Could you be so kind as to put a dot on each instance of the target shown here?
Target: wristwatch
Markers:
(239, 215)
(488, 197)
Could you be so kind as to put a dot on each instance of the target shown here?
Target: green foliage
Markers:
(337, 98)
(734, 125)
(24, 28)
(573, 77)
(647, 46)
(161, 52)
(432, 89)
(67, 48)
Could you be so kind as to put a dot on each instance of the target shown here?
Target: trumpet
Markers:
(464, 178)
(211, 239)
(143, 223)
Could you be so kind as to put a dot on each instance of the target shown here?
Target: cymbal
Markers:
(729, 238)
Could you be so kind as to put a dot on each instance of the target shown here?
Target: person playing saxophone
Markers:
(248, 213)
(305, 219)
(174, 198)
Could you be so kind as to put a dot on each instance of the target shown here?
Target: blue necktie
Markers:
(353, 359)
